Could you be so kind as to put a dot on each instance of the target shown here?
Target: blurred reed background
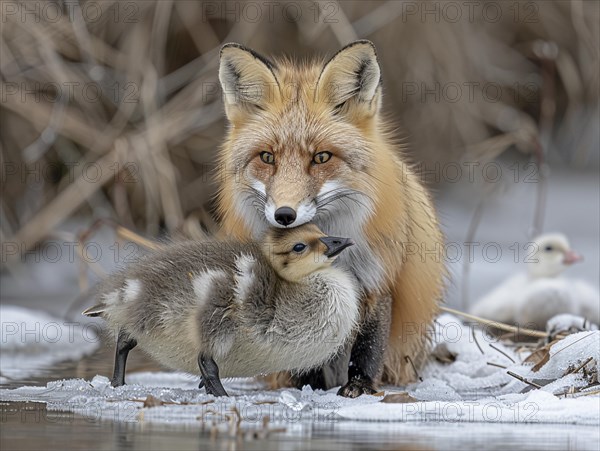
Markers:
(113, 109)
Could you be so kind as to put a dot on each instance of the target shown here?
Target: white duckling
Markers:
(231, 309)
(530, 299)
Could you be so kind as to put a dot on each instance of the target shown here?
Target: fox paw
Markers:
(356, 387)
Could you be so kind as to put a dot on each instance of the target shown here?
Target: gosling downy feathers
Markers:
(530, 299)
(231, 309)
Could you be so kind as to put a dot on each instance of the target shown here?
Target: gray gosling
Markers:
(234, 309)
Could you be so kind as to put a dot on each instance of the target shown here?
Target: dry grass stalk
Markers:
(496, 365)
(495, 348)
(168, 54)
(522, 379)
(497, 325)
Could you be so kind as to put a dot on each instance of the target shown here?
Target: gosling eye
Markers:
(548, 248)
(267, 157)
(322, 157)
(299, 247)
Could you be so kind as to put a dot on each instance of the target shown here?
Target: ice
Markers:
(33, 340)
(181, 401)
(466, 390)
(288, 399)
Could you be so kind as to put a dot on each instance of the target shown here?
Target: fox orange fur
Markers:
(307, 143)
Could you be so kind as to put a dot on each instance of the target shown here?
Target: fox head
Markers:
(303, 137)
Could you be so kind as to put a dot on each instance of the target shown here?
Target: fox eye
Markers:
(322, 157)
(267, 157)
(548, 248)
(299, 247)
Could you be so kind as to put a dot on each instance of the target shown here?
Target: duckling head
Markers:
(301, 251)
(552, 256)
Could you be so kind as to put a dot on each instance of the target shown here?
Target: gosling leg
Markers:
(125, 343)
(210, 376)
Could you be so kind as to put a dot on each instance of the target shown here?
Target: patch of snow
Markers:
(33, 341)
(568, 322)
(469, 375)
(572, 350)
(534, 407)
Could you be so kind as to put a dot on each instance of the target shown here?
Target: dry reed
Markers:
(135, 139)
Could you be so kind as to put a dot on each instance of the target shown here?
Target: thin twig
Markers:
(575, 370)
(576, 341)
(546, 53)
(522, 379)
(496, 364)
(409, 360)
(497, 325)
(130, 235)
(502, 352)
(473, 225)
(475, 340)
(589, 393)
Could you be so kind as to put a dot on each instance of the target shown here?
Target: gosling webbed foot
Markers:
(210, 376)
(116, 382)
(356, 387)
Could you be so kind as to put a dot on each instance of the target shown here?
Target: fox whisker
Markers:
(341, 193)
(255, 198)
(257, 193)
(326, 204)
(256, 202)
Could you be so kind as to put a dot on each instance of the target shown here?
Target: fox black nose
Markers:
(285, 216)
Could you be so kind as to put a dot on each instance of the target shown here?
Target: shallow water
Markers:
(28, 426)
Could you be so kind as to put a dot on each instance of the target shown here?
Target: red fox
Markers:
(307, 143)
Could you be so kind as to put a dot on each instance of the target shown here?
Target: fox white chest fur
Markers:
(344, 216)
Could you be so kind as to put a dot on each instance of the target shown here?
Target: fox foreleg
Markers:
(366, 357)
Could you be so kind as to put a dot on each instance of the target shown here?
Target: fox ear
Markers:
(247, 79)
(351, 80)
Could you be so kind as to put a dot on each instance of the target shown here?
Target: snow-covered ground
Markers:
(459, 387)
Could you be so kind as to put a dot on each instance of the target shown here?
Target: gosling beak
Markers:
(335, 245)
(572, 257)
